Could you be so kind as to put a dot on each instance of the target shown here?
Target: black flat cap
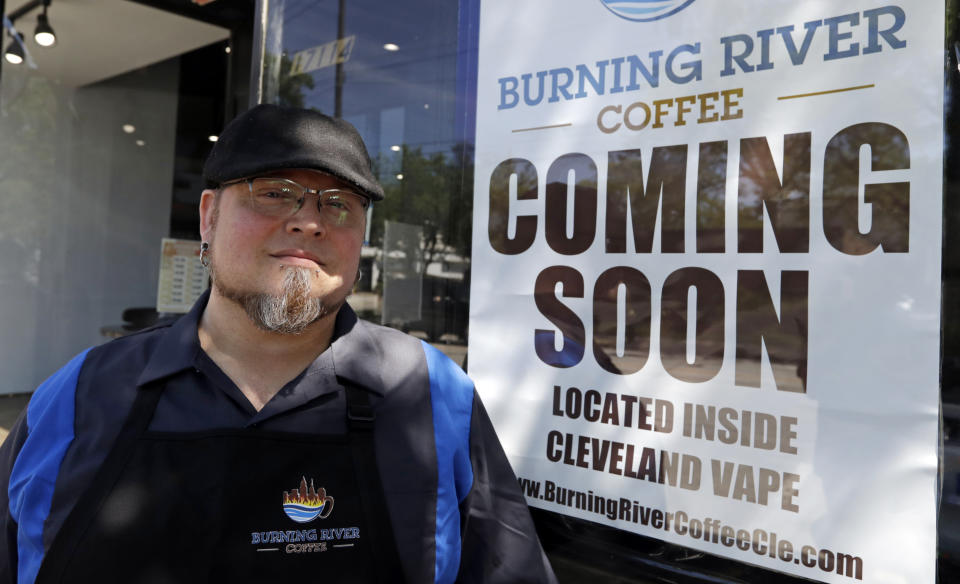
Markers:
(269, 137)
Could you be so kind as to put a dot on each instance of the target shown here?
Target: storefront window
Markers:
(392, 71)
(701, 224)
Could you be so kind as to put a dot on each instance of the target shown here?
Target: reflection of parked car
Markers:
(444, 311)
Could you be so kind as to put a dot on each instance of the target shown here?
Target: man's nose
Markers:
(308, 218)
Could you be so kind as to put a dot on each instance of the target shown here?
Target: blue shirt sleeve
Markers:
(499, 540)
(35, 464)
(485, 533)
(451, 397)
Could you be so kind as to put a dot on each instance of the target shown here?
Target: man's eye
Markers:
(274, 195)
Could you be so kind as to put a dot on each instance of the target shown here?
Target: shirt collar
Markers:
(178, 345)
(355, 354)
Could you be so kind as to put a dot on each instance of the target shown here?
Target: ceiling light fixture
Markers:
(213, 138)
(17, 52)
(44, 34)
(129, 128)
(14, 52)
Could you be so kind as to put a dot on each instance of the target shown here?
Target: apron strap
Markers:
(88, 506)
(360, 422)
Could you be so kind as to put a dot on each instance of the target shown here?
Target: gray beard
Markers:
(289, 312)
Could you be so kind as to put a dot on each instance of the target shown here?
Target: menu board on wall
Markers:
(182, 278)
(705, 299)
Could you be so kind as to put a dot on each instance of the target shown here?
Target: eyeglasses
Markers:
(282, 198)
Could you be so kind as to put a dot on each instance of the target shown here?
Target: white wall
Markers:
(82, 211)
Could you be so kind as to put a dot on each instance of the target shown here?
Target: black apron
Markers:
(230, 506)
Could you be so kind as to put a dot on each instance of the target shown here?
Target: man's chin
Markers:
(291, 311)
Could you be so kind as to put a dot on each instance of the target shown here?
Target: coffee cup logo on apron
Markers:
(304, 505)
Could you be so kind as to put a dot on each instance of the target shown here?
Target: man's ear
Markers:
(208, 213)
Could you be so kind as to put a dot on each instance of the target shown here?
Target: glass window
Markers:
(402, 73)
(392, 71)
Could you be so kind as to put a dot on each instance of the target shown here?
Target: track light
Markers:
(14, 52)
(44, 33)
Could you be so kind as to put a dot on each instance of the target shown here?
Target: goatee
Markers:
(289, 312)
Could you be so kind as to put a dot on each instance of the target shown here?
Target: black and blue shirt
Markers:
(456, 510)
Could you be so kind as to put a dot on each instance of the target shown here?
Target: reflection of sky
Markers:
(420, 78)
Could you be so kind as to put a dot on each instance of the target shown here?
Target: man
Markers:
(268, 435)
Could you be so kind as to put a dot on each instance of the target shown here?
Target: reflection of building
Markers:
(399, 288)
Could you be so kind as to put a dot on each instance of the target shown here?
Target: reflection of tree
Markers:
(711, 197)
(889, 202)
(659, 198)
(290, 86)
(27, 178)
(787, 202)
(436, 194)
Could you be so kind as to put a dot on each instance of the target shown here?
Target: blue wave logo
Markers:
(645, 10)
(306, 513)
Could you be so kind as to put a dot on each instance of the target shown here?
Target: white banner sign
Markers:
(706, 269)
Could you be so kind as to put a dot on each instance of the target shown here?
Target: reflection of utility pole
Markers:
(338, 91)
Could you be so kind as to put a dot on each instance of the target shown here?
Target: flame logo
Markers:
(645, 10)
(306, 504)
